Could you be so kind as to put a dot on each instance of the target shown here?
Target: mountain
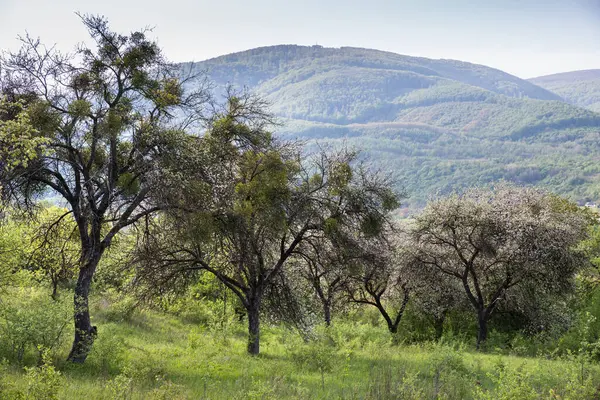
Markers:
(438, 125)
(581, 88)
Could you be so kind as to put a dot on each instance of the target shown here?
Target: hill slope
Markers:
(581, 88)
(438, 124)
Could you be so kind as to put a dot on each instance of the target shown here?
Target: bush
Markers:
(30, 318)
(509, 384)
(390, 383)
(43, 382)
(108, 353)
(146, 368)
(450, 374)
(117, 308)
(8, 389)
(320, 355)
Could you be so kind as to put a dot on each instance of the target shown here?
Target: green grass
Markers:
(153, 355)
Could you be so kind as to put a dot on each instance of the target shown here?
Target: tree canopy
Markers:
(495, 242)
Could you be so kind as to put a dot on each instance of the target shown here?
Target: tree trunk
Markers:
(438, 323)
(85, 333)
(54, 290)
(254, 328)
(327, 312)
(483, 328)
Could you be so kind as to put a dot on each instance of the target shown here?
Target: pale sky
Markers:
(526, 38)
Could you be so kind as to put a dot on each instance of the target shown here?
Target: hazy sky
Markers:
(526, 38)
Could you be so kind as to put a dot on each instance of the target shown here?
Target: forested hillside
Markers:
(581, 88)
(439, 125)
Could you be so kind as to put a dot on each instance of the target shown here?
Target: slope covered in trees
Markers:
(581, 88)
(438, 125)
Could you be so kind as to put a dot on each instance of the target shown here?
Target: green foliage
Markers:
(510, 384)
(80, 108)
(167, 390)
(29, 319)
(13, 250)
(108, 354)
(43, 382)
(263, 187)
(405, 385)
(53, 254)
(120, 387)
(319, 354)
(20, 141)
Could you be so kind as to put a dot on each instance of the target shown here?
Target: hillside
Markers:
(581, 88)
(438, 125)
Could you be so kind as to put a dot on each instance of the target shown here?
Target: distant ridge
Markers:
(581, 88)
(438, 125)
(584, 74)
(269, 61)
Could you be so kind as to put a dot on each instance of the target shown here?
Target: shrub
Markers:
(388, 383)
(318, 355)
(30, 318)
(43, 382)
(450, 374)
(108, 353)
(120, 387)
(145, 368)
(509, 384)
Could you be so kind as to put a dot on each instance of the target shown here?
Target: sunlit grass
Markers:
(153, 355)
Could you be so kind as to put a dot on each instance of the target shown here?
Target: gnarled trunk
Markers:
(327, 312)
(85, 333)
(254, 327)
(482, 331)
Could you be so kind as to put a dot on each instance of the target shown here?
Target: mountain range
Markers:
(437, 125)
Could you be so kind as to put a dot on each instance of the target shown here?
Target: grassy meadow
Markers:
(195, 354)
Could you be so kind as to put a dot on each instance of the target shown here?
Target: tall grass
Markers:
(152, 355)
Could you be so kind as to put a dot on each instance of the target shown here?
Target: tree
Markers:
(380, 280)
(325, 271)
(111, 118)
(495, 242)
(257, 201)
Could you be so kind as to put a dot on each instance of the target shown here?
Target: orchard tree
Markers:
(380, 279)
(111, 117)
(255, 203)
(495, 242)
(323, 264)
